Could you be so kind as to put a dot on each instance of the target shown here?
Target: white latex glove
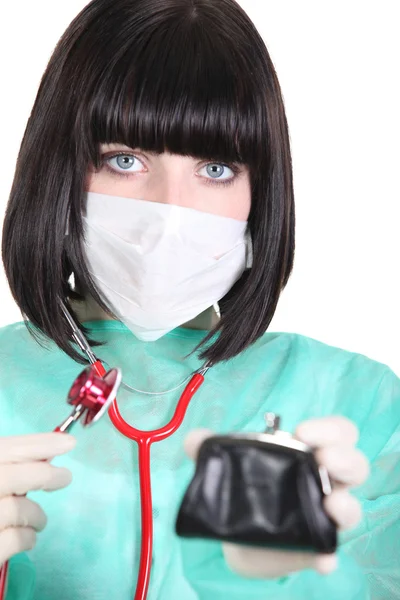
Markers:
(21, 471)
(335, 438)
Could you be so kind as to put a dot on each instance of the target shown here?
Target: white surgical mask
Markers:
(160, 265)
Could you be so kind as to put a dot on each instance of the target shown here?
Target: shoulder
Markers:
(20, 332)
(16, 341)
(24, 351)
(334, 380)
(12, 329)
(346, 367)
(319, 357)
(341, 382)
(13, 338)
(351, 373)
(33, 373)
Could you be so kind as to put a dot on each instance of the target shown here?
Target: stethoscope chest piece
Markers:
(91, 396)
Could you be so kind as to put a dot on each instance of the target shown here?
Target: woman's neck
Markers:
(89, 310)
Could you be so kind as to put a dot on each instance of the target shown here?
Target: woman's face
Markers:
(210, 187)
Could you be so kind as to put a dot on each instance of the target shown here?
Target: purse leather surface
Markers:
(262, 494)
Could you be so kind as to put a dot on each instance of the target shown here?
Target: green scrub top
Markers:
(90, 547)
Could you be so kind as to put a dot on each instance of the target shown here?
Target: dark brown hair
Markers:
(191, 77)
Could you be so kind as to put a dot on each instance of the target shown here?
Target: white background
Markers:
(338, 65)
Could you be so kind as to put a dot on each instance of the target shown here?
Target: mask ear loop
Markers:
(249, 249)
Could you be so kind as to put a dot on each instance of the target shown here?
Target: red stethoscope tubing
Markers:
(144, 439)
(3, 580)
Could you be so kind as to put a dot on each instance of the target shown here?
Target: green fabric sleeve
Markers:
(21, 578)
(375, 543)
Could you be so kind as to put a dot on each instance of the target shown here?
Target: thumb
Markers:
(194, 440)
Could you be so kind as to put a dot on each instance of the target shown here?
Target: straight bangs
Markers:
(178, 90)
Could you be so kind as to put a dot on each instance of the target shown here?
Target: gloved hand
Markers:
(21, 470)
(334, 439)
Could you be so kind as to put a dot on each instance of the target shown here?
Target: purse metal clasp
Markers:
(273, 422)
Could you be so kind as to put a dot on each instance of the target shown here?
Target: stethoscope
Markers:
(92, 394)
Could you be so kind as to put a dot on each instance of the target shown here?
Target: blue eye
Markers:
(126, 161)
(217, 173)
(123, 161)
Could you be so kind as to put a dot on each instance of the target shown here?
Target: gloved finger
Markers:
(249, 561)
(326, 563)
(19, 511)
(344, 509)
(36, 446)
(194, 440)
(15, 540)
(326, 431)
(19, 479)
(346, 465)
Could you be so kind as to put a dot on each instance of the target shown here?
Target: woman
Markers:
(154, 181)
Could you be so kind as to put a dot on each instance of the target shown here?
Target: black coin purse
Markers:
(261, 489)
